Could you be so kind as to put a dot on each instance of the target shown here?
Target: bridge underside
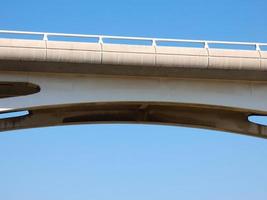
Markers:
(65, 99)
(140, 113)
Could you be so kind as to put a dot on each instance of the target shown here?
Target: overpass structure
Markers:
(145, 80)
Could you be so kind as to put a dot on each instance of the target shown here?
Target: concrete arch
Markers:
(197, 116)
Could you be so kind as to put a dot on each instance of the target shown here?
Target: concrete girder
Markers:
(101, 83)
(131, 60)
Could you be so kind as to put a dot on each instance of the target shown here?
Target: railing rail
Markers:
(154, 41)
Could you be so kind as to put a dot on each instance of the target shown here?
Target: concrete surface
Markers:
(131, 60)
(64, 83)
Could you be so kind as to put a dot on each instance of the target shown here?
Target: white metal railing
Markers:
(154, 41)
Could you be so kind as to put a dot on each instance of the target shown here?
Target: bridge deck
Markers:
(132, 60)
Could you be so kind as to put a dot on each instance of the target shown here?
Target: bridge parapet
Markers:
(127, 59)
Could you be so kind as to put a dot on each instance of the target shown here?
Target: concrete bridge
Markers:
(63, 82)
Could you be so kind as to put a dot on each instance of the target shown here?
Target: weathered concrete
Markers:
(131, 60)
(234, 59)
(106, 83)
(263, 60)
(182, 57)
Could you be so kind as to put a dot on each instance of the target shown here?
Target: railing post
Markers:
(257, 47)
(206, 45)
(154, 43)
(100, 40)
(45, 38)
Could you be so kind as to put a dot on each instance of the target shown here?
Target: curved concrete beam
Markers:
(138, 112)
(131, 60)
(74, 98)
(94, 83)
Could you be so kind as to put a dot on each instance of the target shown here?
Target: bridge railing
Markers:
(154, 41)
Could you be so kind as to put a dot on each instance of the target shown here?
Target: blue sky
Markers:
(134, 161)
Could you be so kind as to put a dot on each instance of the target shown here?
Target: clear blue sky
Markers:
(129, 162)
